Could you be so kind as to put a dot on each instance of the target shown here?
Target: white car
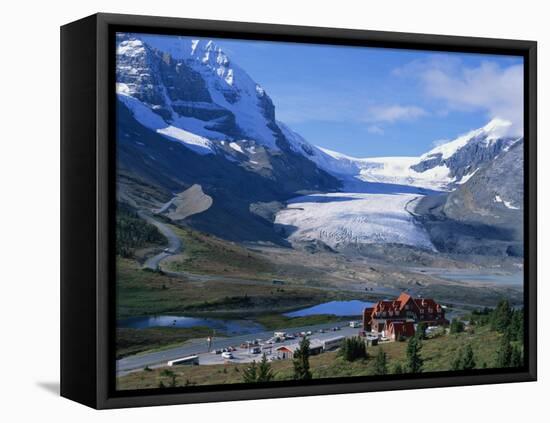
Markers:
(227, 355)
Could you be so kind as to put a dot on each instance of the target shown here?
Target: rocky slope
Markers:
(485, 214)
(192, 124)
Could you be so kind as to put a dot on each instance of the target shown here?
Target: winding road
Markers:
(175, 245)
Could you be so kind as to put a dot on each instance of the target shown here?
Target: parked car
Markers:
(255, 350)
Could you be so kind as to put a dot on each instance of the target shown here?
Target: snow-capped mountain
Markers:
(442, 168)
(192, 84)
(462, 157)
(484, 215)
(189, 116)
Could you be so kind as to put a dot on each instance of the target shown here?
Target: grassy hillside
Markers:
(134, 341)
(206, 254)
(141, 293)
(437, 353)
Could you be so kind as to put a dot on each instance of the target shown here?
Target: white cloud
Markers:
(375, 129)
(394, 113)
(489, 88)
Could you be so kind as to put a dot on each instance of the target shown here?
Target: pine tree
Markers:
(381, 363)
(501, 316)
(353, 348)
(458, 360)
(265, 373)
(414, 361)
(504, 353)
(301, 361)
(397, 369)
(516, 326)
(456, 326)
(468, 361)
(250, 373)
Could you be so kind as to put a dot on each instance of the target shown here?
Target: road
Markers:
(200, 347)
(174, 243)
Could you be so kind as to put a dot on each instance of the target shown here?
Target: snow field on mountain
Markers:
(151, 120)
(340, 219)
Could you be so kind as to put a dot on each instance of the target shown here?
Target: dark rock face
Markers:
(494, 195)
(139, 71)
(146, 159)
(485, 214)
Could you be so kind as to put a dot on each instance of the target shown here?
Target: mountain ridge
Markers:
(190, 116)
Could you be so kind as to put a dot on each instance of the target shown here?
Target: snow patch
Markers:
(236, 147)
(145, 116)
(507, 204)
(495, 129)
(465, 178)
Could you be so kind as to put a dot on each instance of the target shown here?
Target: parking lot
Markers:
(257, 347)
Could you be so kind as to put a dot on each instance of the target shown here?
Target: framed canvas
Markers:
(259, 211)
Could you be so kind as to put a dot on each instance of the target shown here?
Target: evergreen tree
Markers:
(353, 348)
(414, 361)
(265, 373)
(301, 361)
(421, 330)
(501, 316)
(516, 326)
(504, 353)
(397, 369)
(468, 361)
(250, 373)
(458, 360)
(381, 363)
(456, 326)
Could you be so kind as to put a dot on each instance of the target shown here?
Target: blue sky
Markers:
(369, 102)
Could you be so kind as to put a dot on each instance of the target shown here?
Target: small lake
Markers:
(337, 308)
(233, 327)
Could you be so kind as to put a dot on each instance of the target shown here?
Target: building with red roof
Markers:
(404, 309)
(398, 329)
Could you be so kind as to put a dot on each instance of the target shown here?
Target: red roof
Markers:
(397, 305)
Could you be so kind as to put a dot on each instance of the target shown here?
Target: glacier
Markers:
(378, 194)
(342, 219)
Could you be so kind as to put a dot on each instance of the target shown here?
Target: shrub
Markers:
(457, 326)
(353, 349)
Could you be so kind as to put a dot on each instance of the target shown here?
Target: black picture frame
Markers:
(88, 198)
